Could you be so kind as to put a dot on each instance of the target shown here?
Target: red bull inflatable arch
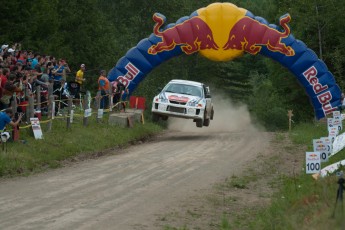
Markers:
(222, 32)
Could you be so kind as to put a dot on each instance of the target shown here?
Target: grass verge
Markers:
(60, 146)
(302, 202)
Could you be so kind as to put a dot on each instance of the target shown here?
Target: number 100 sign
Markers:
(313, 162)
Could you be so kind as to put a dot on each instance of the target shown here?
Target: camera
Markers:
(5, 136)
(339, 174)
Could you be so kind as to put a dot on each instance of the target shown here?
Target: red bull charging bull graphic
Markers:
(223, 32)
(201, 38)
(241, 36)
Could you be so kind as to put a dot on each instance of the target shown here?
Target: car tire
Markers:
(199, 123)
(206, 122)
(155, 117)
(212, 114)
(164, 118)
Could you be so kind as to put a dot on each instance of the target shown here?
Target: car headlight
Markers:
(191, 103)
(161, 100)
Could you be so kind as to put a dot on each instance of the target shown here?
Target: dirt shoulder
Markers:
(241, 196)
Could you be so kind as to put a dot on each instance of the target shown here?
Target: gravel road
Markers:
(129, 189)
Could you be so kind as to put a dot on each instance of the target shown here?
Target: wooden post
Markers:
(70, 103)
(98, 104)
(31, 107)
(290, 120)
(85, 106)
(27, 110)
(110, 98)
(14, 103)
(38, 98)
(50, 112)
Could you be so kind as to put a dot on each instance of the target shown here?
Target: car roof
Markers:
(186, 82)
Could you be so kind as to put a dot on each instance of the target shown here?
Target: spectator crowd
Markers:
(23, 71)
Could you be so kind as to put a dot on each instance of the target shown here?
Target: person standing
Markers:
(79, 78)
(103, 88)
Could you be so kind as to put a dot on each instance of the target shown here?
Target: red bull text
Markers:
(132, 72)
(324, 98)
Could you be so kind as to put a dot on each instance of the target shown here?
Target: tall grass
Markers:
(60, 144)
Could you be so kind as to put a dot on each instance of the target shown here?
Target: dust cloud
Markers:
(227, 117)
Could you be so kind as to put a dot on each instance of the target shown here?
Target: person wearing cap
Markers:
(103, 89)
(4, 48)
(10, 50)
(79, 78)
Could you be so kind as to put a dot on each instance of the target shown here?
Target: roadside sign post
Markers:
(290, 114)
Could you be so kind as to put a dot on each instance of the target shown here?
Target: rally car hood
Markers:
(181, 98)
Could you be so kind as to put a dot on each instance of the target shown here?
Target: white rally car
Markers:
(184, 99)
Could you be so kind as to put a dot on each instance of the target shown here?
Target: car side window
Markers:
(207, 91)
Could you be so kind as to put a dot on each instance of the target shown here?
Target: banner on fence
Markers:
(331, 168)
(339, 143)
(36, 127)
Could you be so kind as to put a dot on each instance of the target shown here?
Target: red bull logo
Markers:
(193, 35)
(250, 35)
(178, 99)
(312, 155)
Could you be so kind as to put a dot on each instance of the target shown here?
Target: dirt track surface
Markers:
(130, 189)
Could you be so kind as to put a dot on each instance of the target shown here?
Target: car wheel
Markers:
(155, 117)
(206, 122)
(212, 113)
(199, 123)
(164, 118)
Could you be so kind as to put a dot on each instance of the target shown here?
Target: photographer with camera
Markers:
(6, 118)
(60, 70)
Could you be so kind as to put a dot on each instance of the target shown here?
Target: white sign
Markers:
(36, 128)
(313, 162)
(319, 146)
(71, 116)
(328, 142)
(332, 135)
(100, 113)
(329, 123)
(336, 113)
(337, 122)
(88, 112)
(53, 110)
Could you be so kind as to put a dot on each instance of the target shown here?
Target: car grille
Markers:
(176, 109)
(178, 102)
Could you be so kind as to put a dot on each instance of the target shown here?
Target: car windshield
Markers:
(184, 89)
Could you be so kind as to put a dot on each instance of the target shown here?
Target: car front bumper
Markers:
(175, 110)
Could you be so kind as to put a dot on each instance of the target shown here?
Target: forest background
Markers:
(100, 32)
